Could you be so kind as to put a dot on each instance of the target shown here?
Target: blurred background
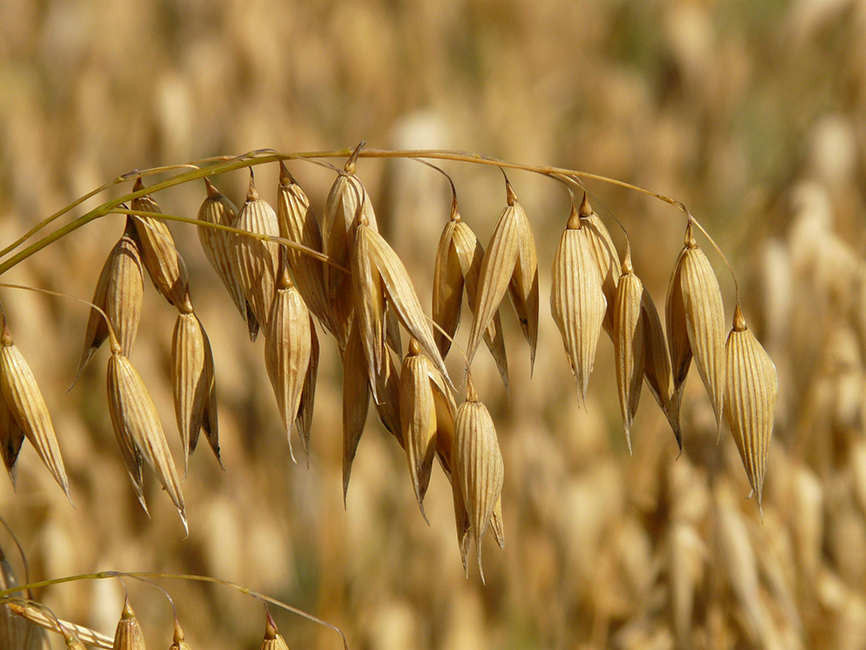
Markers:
(751, 113)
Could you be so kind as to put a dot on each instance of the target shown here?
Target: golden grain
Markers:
(120, 294)
(27, 406)
(750, 400)
(256, 261)
(219, 247)
(577, 300)
(128, 634)
(164, 264)
(629, 343)
(287, 349)
(479, 464)
(139, 431)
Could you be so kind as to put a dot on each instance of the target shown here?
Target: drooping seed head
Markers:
(128, 634)
(629, 344)
(257, 261)
(27, 407)
(219, 247)
(298, 223)
(605, 254)
(478, 463)
(695, 316)
(356, 401)
(751, 393)
(287, 351)
(139, 431)
(159, 254)
(120, 294)
(577, 301)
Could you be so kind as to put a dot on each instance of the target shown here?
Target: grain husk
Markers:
(164, 264)
(356, 401)
(605, 254)
(695, 316)
(120, 294)
(457, 269)
(138, 428)
(509, 264)
(193, 384)
(219, 247)
(629, 344)
(298, 223)
(256, 261)
(420, 418)
(27, 406)
(750, 400)
(479, 465)
(287, 350)
(577, 300)
(128, 634)
(657, 366)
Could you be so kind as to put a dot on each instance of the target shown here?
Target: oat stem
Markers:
(103, 575)
(219, 165)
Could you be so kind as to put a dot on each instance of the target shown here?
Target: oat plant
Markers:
(293, 277)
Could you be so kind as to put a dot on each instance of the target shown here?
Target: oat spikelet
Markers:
(27, 406)
(11, 439)
(399, 292)
(128, 634)
(16, 633)
(219, 247)
(509, 264)
(137, 426)
(577, 300)
(369, 306)
(304, 420)
(346, 205)
(628, 343)
(388, 410)
(605, 254)
(458, 266)
(421, 420)
(497, 527)
(178, 641)
(356, 401)
(750, 399)
(256, 261)
(478, 461)
(273, 639)
(298, 223)
(119, 293)
(657, 365)
(161, 259)
(695, 316)
(287, 350)
(192, 383)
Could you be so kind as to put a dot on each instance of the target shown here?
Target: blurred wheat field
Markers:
(751, 114)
